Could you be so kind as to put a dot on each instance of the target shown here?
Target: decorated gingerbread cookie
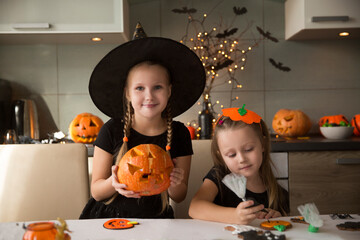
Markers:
(276, 225)
(119, 224)
(298, 220)
(349, 226)
(259, 235)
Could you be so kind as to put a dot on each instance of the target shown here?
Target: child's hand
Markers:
(119, 187)
(245, 213)
(177, 175)
(271, 214)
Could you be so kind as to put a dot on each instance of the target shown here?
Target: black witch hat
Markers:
(187, 74)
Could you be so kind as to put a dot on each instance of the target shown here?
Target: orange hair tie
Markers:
(125, 139)
(167, 148)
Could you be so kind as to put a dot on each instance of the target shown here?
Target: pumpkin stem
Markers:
(242, 111)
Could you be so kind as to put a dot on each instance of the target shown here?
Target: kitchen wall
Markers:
(324, 77)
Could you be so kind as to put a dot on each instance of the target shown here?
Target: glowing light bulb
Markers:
(96, 39)
(344, 34)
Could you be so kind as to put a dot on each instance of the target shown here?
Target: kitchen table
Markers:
(184, 229)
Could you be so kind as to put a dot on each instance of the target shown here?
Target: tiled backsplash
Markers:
(324, 77)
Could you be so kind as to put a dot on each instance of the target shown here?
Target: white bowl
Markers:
(338, 132)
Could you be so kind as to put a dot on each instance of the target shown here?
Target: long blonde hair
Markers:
(128, 116)
(275, 194)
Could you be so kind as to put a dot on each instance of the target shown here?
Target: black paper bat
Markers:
(266, 34)
(226, 33)
(239, 11)
(279, 65)
(184, 10)
(222, 65)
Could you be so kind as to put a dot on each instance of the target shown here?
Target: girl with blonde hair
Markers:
(240, 147)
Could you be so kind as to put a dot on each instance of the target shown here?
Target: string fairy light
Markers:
(218, 50)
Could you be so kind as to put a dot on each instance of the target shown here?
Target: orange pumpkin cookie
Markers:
(118, 224)
(275, 225)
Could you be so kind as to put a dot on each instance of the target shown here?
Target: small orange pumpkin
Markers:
(334, 119)
(146, 169)
(42, 231)
(192, 132)
(85, 127)
(291, 123)
(355, 122)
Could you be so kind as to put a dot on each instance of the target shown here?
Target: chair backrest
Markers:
(43, 181)
(201, 163)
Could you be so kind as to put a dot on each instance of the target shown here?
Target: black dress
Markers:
(110, 140)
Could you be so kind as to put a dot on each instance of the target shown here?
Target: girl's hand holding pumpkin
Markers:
(176, 176)
(119, 187)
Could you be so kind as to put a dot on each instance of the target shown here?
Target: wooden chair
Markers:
(43, 181)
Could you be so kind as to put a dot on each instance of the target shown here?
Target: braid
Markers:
(126, 131)
(124, 146)
(169, 128)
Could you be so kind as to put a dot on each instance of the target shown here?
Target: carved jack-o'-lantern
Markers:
(334, 119)
(146, 169)
(355, 122)
(85, 127)
(291, 123)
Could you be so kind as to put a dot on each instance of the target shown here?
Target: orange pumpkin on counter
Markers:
(355, 122)
(291, 123)
(85, 127)
(146, 169)
(334, 119)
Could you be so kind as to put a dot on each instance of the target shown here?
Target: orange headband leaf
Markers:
(241, 114)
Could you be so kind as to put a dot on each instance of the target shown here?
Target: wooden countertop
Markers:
(314, 143)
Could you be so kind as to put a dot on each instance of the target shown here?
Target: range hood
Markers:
(321, 19)
(65, 21)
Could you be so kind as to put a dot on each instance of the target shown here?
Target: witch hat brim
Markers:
(108, 79)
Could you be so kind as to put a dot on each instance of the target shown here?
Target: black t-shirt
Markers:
(110, 140)
(227, 198)
(111, 136)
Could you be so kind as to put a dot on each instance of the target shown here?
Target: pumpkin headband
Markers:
(239, 114)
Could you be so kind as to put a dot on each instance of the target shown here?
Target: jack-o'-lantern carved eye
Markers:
(146, 169)
(133, 168)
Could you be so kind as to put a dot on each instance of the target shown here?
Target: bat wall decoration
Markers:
(227, 33)
(279, 65)
(184, 10)
(267, 34)
(239, 11)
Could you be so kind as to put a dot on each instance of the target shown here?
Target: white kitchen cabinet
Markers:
(65, 21)
(321, 19)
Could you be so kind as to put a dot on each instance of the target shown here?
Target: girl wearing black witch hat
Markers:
(142, 85)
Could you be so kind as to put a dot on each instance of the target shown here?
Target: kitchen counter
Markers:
(314, 143)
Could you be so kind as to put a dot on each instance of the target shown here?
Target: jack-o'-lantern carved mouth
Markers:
(146, 177)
